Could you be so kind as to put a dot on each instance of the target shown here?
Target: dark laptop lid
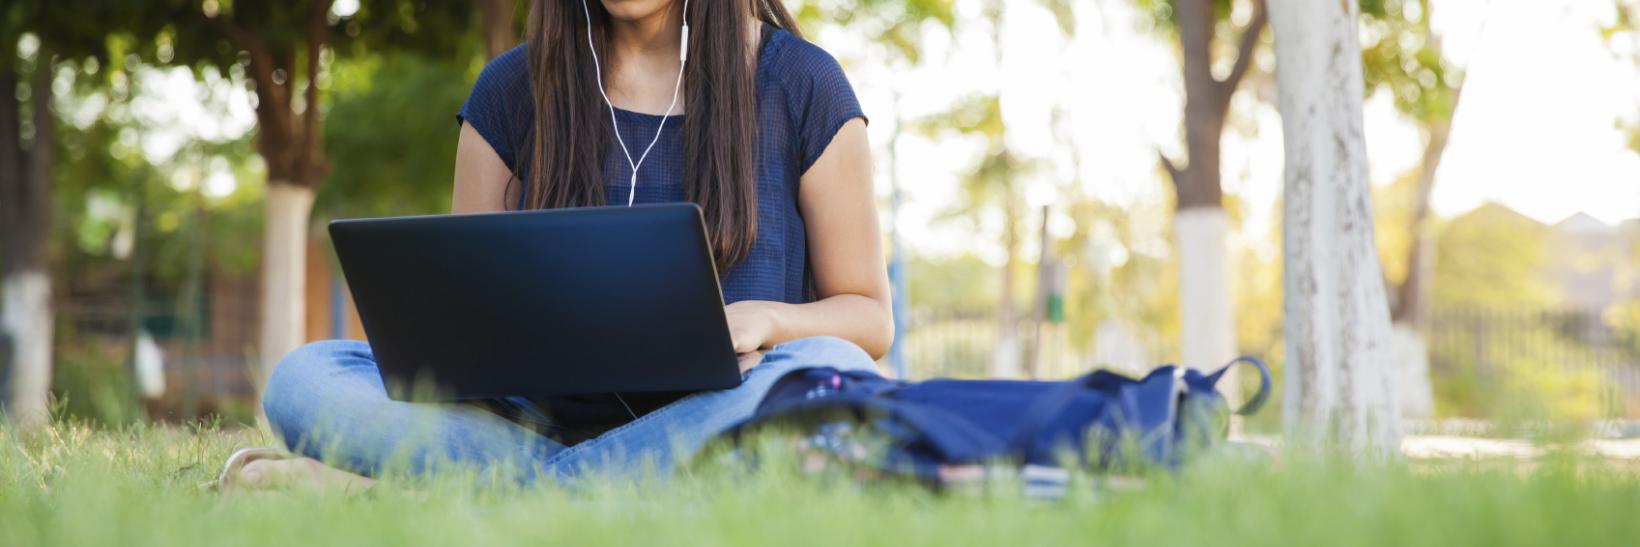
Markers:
(538, 303)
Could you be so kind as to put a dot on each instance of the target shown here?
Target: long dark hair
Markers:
(572, 132)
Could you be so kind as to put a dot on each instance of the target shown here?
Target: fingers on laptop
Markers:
(750, 359)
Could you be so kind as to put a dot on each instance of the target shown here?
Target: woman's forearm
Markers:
(865, 321)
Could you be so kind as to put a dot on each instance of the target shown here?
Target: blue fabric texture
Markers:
(1170, 414)
(803, 98)
(326, 401)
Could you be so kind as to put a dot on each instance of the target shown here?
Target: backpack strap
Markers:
(1252, 405)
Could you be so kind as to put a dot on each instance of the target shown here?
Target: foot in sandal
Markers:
(259, 469)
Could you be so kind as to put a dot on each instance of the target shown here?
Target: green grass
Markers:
(76, 485)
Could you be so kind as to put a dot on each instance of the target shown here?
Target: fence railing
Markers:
(1483, 362)
(1572, 362)
(1579, 362)
(959, 343)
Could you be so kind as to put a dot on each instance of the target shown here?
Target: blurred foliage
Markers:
(391, 134)
(1122, 269)
(896, 25)
(1392, 212)
(1163, 16)
(104, 168)
(991, 182)
(1529, 375)
(960, 283)
(64, 27)
(90, 383)
(103, 164)
(1627, 25)
(1402, 54)
(184, 33)
(1492, 257)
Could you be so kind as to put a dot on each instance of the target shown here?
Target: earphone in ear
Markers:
(598, 71)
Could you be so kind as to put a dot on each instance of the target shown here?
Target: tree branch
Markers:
(251, 43)
(1244, 52)
(318, 33)
(1173, 172)
(498, 26)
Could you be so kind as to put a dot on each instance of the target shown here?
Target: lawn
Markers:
(77, 485)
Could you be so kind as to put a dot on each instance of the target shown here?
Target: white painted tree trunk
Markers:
(1206, 315)
(284, 272)
(1416, 398)
(1339, 374)
(26, 317)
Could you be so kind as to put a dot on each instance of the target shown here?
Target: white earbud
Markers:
(683, 54)
(683, 40)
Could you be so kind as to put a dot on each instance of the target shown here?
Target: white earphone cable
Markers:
(598, 71)
(683, 55)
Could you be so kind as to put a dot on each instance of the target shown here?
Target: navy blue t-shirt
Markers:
(803, 98)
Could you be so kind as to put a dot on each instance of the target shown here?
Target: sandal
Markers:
(237, 461)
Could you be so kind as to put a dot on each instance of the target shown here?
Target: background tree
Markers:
(990, 185)
(500, 25)
(995, 180)
(1404, 58)
(1339, 378)
(895, 30)
(1206, 313)
(284, 47)
(25, 221)
(53, 30)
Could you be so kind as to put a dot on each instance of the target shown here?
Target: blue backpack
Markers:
(927, 429)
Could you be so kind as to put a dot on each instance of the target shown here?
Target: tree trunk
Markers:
(1005, 357)
(26, 320)
(1339, 377)
(1208, 322)
(1415, 396)
(25, 225)
(284, 271)
(1039, 304)
(499, 35)
(291, 142)
(1409, 309)
(1410, 305)
(1207, 316)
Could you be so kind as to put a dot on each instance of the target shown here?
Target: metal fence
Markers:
(965, 344)
(1579, 362)
(1483, 362)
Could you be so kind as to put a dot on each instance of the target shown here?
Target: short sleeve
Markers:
(821, 98)
(500, 107)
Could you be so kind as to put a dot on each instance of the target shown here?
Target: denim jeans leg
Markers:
(659, 440)
(326, 401)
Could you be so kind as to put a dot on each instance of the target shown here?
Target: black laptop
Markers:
(541, 303)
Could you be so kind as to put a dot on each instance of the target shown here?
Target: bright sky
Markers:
(1535, 130)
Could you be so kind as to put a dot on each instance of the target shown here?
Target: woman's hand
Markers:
(752, 326)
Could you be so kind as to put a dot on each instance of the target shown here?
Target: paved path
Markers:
(1440, 446)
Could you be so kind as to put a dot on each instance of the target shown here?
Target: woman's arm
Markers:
(481, 176)
(845, 250)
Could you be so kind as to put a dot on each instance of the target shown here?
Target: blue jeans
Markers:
(326, 400)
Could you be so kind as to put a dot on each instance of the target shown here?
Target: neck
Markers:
(652, 38)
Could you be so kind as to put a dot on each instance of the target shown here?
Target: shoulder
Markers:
(500, 105)
(818, 96)
(506, 72)
(795, 62)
